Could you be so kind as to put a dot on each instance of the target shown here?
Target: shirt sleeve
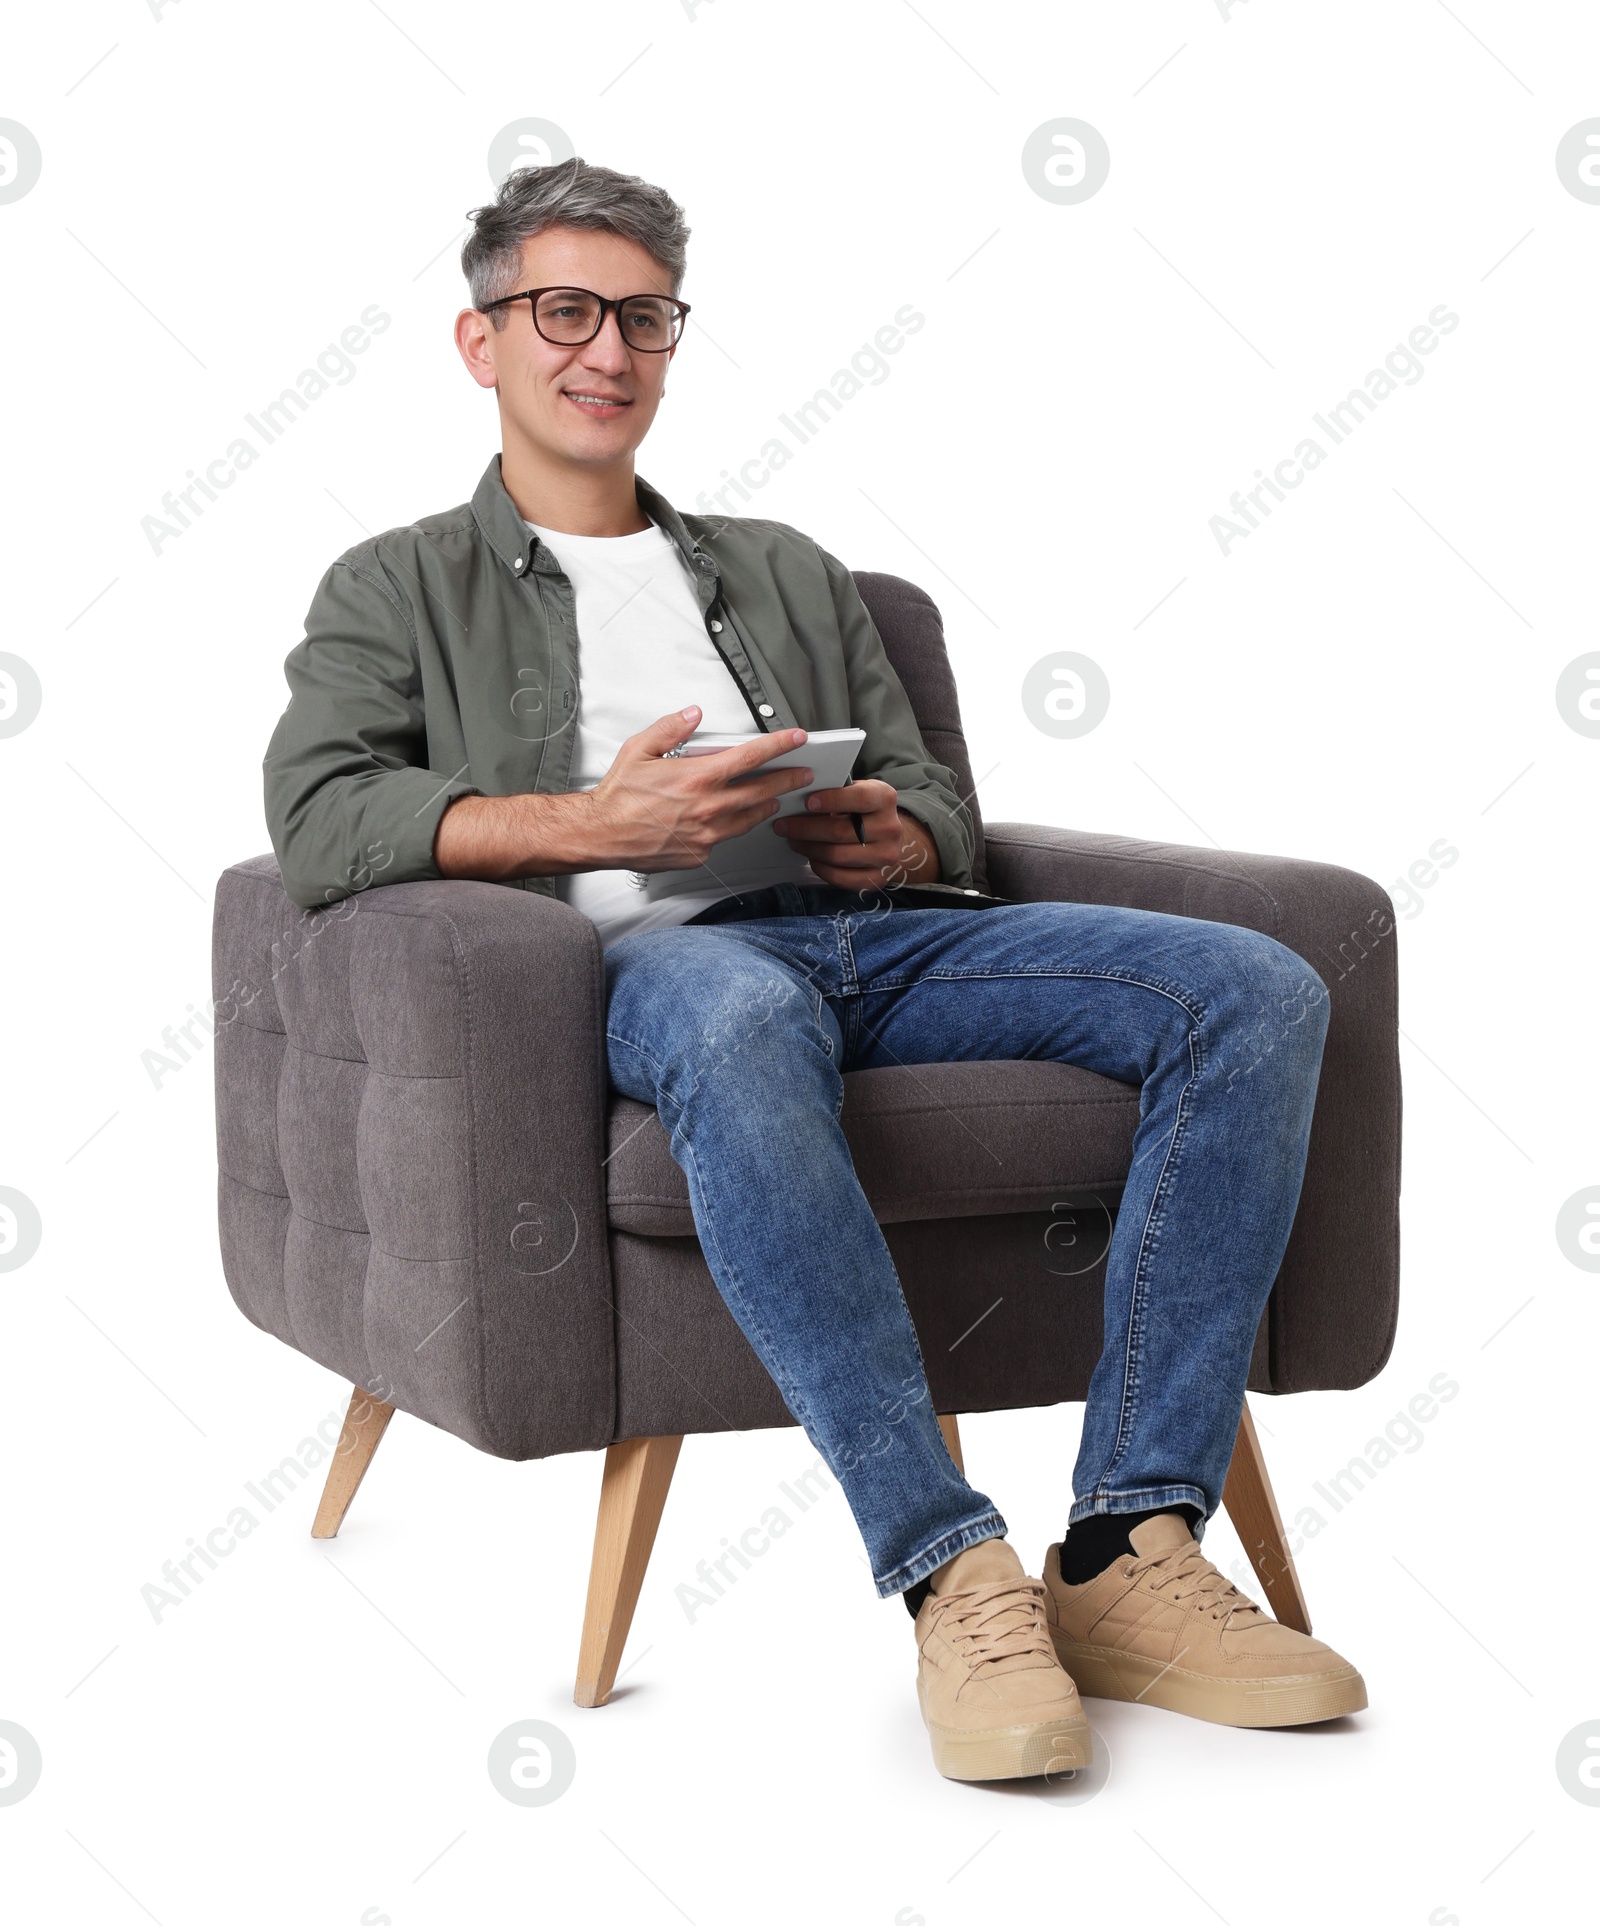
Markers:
(894, 751)
(350, 801)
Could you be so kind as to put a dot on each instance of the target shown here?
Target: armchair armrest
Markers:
(411, 1093)
(1331, 1319)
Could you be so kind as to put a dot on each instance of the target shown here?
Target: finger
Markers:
(774, 782)
(846, 854)
(866, 797)
(724, 763)
(796, 779)
(744, 819)
(839, 826)
(848, 864)
(667, 731)
(823, 802)
(819, 830)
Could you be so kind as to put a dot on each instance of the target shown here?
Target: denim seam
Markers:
(1100, 1504)
(613, 1036)
(827, 1041)
(1148, 1237)
(849, 976)
(1148, 1241)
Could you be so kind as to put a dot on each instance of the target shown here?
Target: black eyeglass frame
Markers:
(530, 295)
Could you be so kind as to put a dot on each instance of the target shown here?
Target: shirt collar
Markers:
(514, 542)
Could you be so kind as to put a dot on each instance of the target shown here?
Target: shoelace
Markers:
(972, 1621)
(1218, 1596)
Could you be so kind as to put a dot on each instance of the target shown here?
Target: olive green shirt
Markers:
(441, 660)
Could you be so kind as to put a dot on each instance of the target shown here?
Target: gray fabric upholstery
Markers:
(410, 1110)
(912, 630)
(426, 1184)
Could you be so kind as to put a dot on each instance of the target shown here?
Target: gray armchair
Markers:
(427, 1184)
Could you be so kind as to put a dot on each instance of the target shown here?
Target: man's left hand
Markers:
(898, 848)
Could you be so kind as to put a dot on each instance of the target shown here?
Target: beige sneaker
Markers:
(1164, 1627)
(994, 1697)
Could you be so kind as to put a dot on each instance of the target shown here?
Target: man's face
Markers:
(543, 386)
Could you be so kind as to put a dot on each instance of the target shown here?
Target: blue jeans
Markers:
(738, 1027)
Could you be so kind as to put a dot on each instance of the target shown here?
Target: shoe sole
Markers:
(1010, 1751)
(1306, 1699)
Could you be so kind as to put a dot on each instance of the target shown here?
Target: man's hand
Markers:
(654, 810)
(898, 849)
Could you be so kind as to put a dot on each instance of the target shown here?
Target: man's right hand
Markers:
(653, 810)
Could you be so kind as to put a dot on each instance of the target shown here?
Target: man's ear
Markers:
(471, 343)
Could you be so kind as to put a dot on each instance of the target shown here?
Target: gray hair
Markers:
(569, 194)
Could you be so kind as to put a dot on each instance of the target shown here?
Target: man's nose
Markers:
(608, 343)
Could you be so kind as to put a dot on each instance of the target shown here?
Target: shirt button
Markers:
(766, 709)
(517, 563)
(716, 628)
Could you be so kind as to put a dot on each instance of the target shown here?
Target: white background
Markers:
(224, 189)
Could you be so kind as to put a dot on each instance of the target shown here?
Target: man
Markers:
(501, 692)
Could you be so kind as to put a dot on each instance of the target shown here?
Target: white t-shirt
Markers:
(643, 651)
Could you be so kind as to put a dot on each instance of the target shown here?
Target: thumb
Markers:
(669, 730)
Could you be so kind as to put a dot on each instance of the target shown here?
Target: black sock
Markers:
(1103, 1537)
(1088, 1548)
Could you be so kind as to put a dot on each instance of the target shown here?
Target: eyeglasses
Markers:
(650, 323)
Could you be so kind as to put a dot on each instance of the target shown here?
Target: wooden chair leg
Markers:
(364, 1424)
(633, 1491)
(1254, 1511)
(952, 1437)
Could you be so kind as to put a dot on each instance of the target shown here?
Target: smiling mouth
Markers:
(596, 404)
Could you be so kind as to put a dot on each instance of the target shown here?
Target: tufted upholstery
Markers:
(410, 1095)
(426, 1184)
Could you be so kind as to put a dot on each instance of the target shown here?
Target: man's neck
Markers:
(573, 501)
